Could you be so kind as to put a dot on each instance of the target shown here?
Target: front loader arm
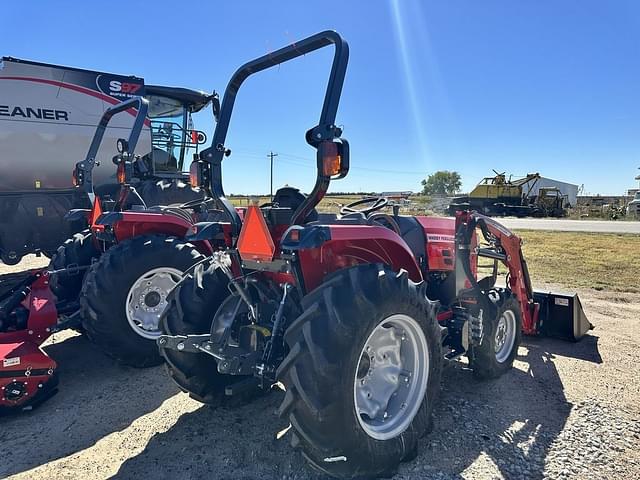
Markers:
(505, 246)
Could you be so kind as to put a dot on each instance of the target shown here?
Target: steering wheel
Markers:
(195, 203)
(377, 203)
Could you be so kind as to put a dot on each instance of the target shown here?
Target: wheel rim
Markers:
(147, 300)
(505, 335)
(392, 376)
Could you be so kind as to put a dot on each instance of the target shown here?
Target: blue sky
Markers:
(467, 85)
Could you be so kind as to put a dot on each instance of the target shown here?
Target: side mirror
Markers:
(333, 159)
(199, 173)
(77, 176)
(124, 172)
(215, 105)
(122, 146)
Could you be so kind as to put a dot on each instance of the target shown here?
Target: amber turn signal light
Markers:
(195, 175)
(122, 173)
(331, 159)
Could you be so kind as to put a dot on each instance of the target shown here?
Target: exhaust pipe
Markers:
(561, 316)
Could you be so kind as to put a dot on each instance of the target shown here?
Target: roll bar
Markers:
(326, 129)
(85, 167)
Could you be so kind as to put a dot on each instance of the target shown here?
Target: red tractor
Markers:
(352, 315)
(110, 281)
(135, 253)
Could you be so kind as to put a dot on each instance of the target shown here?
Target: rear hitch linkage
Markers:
(233, 359)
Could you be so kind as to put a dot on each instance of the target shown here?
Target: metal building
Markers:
(568, 189)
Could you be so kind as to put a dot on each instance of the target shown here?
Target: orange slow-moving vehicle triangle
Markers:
(255, 242)
(96, 210)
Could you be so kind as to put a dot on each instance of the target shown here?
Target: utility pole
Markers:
(271, 155)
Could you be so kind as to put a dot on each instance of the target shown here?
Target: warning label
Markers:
(10, 362)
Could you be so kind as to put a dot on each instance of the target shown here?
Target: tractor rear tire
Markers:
(191, 310)
(110, 294)
(78, 250)
(328, 361)
(490, 359)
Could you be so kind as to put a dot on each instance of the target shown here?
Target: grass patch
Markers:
(586, 260)
(331, 203)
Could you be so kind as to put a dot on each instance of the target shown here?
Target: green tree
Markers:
(443, 182)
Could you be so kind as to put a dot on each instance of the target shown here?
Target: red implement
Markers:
(27, 317)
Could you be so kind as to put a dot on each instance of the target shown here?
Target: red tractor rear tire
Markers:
(132, 280)
(348, 322)
(78, 250)
(192, 307)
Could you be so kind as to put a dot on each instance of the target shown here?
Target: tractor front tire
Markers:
(363, 372)
(499, 347)
(126, 292)
(78, 250)
(193, 305)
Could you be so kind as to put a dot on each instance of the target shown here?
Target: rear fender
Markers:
(118, 226)
(78, 214)
(323, 249)
(216, 231)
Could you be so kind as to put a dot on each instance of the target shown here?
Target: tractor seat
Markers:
(160, 160)
(213, 215)
(413, 235)
(284, 204)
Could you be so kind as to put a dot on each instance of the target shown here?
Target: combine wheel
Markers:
(126, 291)
(77, 250)
(363, 372)
(500, 343)
(191, 310)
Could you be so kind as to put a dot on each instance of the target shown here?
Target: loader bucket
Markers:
(561, 316)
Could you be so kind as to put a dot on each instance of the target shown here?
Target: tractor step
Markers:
(561, 316)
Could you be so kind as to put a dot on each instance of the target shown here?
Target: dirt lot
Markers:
(566, 411)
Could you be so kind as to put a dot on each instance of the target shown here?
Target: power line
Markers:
(379, 170)
(307, 162)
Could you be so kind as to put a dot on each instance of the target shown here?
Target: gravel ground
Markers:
(565, 411)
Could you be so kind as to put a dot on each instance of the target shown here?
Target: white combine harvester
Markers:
(48, 115)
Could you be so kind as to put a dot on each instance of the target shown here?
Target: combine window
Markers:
(173, 138)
